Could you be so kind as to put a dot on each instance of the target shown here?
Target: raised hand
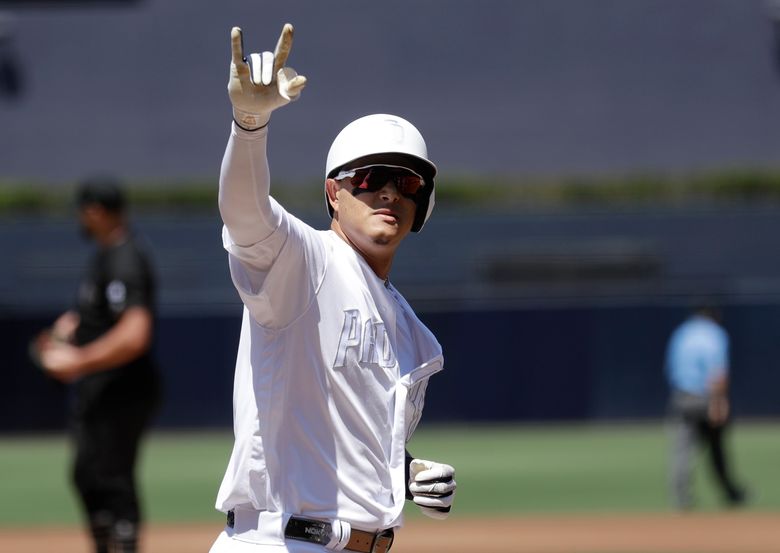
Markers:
(262, 83)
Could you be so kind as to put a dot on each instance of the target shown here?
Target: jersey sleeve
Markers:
(129, 282)
(278, 277)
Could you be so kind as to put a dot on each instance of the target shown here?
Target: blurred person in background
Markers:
(103, 347)
(697, 370)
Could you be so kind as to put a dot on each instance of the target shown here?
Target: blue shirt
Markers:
(697, 353)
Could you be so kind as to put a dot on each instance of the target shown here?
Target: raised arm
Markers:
(256, 86)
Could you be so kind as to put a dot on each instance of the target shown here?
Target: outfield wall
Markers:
(549, 315)
(520, 365)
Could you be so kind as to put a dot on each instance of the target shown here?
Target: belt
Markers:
(319, 532)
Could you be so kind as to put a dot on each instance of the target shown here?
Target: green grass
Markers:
(500, 469)
(32, 482)
(596, 468)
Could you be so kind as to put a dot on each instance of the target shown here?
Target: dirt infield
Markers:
(652, 533)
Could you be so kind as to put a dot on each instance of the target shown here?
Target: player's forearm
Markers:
(130, 338)
(719, 386)
(718, 409)
(244, 188)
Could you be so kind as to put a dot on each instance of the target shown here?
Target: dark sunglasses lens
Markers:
(375, 178)
(360, 179)
(408, 185)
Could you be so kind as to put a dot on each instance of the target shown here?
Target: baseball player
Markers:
(332, 363)
(103, 348)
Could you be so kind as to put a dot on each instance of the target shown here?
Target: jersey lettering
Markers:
(369, 352)
(368, 340)
(350, 335)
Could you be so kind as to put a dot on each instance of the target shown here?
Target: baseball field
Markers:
(521, 488)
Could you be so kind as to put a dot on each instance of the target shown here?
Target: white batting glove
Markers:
(261, 84)
(432, 486)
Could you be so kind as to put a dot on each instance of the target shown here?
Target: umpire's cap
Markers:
(106, 192)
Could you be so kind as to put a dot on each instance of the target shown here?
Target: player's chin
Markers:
(388, 233)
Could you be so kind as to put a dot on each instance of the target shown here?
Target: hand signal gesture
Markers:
(262, 83)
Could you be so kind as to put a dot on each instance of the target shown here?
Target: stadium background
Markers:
(607, 162)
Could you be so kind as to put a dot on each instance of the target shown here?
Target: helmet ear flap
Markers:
(424, 208)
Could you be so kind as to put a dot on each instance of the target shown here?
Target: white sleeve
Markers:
(277, 262)
(278, 277)
(244, 187)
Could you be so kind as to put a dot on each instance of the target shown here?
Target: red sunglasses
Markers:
(375, 177)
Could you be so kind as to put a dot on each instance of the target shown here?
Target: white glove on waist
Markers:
(432, 486)
(261, 84)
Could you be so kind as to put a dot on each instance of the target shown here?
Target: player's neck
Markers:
(379, 258)
(380, 264)
(380, 267)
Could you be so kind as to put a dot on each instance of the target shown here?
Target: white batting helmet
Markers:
(384, 139)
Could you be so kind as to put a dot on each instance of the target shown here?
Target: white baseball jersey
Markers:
(332, 364)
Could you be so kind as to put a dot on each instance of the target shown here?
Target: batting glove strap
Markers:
(250, 121)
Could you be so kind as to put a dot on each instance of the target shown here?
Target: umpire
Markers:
(697, 369)
(103, 347)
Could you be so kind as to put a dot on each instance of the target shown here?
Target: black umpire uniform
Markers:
(112, 408)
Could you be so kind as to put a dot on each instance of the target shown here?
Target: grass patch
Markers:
(500, 469)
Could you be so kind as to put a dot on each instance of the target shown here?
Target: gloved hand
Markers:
(261, 84)
(432, 486)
